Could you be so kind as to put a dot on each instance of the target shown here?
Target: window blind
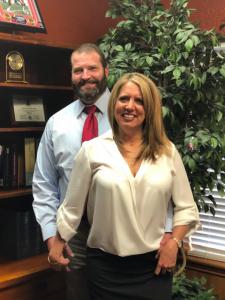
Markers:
(209, 240)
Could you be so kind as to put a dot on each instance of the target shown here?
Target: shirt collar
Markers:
(101, 103)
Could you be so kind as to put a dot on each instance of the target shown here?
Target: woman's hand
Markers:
(56, 257)
(167, 256)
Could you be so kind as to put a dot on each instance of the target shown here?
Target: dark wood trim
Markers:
(14, 193)
(15, 272)
(212, 270)
(34, 86)
(20, 129)
(21, 39)
(204, 265)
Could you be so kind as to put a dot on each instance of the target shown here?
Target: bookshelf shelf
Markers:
(30, 279)
(14, 271)
(4, 194)
(26, 40)
(20, 129)
(28, 86)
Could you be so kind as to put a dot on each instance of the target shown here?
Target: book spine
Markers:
(1, 164)
(14, 167)
(29, 159)
(7, 168)
(21, 168)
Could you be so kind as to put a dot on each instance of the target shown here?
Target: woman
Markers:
(124, 180)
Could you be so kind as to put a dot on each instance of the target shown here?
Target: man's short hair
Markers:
(89, 47)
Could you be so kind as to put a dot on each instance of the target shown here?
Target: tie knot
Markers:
(90, 109)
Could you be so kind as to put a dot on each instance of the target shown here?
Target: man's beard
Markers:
(89, 96)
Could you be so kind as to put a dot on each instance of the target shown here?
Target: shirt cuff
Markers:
(48, 231)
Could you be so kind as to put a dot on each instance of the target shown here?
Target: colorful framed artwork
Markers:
(21, 15)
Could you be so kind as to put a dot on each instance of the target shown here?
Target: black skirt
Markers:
(112, 277)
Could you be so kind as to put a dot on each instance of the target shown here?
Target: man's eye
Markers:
(92, 68)
(77, 71)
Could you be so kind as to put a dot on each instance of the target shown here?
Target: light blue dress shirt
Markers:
(59, 143)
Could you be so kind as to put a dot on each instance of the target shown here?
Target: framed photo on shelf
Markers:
(21, 15)
(28, 110)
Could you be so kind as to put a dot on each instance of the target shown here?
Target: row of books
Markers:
(20, 234)
(17, 163)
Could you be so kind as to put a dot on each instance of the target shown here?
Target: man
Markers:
(61, 140)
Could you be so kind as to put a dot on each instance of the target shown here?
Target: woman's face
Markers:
(129, 108)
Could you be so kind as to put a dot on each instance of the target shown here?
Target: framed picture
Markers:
(28, 110)
(21, 15)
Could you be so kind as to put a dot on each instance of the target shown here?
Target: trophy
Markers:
(15, 67)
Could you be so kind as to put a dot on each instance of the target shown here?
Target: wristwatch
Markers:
(178, 242)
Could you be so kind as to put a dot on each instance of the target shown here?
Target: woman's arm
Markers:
(185, 208)
(185, 219)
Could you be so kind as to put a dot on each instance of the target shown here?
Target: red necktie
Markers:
(90, 129)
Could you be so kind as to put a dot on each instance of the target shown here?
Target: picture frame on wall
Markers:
(23, 15)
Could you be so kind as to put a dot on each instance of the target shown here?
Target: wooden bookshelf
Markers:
(48, 75)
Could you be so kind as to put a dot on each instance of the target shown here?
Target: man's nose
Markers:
(85, 74)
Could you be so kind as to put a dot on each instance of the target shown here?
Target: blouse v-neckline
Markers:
(125, 165)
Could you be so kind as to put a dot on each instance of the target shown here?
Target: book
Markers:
(20, 169)
(37, 142)
(14, 165)
(1, 164)
(20, 234)
(7, 171)
(29, 159)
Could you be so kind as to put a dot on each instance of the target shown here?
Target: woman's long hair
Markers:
(155, 140)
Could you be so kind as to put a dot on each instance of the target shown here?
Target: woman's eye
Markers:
(139, 101)
(123, 98)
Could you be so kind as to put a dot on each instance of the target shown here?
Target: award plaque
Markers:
(15, 67)
(28, 109)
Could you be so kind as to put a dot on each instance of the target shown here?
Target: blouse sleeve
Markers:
(185, 210)
(71, 210)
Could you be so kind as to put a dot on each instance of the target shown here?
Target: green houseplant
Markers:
(164, 45)
(191, 289)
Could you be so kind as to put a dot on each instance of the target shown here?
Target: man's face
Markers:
(88, 76)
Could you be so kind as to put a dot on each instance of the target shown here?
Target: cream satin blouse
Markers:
(127, 214)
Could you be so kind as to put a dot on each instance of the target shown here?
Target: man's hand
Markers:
(57, 247)
(50, 242)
